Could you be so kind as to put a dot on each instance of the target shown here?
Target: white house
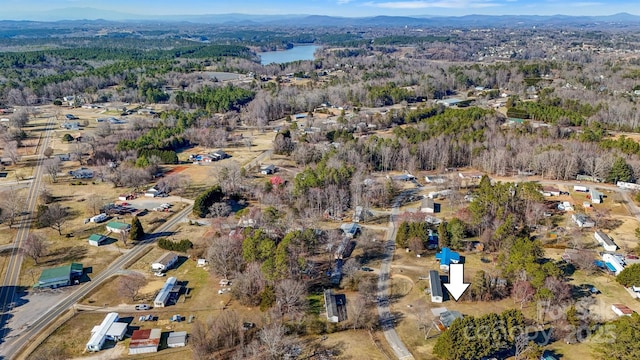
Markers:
(582, 220)
(109, 329)
(335, 306)
(435, 286)
(434, 179)
(267, 169)
(165, 293)
(613, 263)
(152, 192)
(604, 240)
(117, 227)
(99, 218)
(164, 262)
(97, 239)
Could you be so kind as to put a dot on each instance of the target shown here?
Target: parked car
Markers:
(142, 307)
(159, 273)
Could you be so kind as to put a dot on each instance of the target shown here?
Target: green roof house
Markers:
(118, 227)
(60, 276)
(97, 240)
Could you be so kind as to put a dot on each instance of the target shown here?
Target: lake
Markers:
(304, 52)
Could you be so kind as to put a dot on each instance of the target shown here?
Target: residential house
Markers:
(613, 262)
(60, 276)
(118, 227)
(170, 290)
(99, 218)
(446, 257)
(70, 125)
(64, 157)
(97, 240)
(336, 306)
(219, 154)
(434, 179)
(627, 185)
(604, 240)
(435, 287)
(164, 262)
(432, 241)
(82, 173)
(109, 329)
(582, 220)
(621, 310)
(144, 341)
(267, 169)
(596, 196)
(439, 194)
(429, 206)
(350, 230)
(550, 191)
(449, 102)
(403, 177)
(470, 175)
(345, 248)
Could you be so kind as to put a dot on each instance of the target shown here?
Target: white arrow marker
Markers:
(456, 285)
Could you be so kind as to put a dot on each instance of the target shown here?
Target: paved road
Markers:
(386, 319)
(12, 276)
(12, 347)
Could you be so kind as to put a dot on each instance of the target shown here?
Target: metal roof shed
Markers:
(144, 341)
(99, 333)
(177, 339)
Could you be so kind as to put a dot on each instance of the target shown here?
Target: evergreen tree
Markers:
(620, 171)
(137, 232)
(443, 235)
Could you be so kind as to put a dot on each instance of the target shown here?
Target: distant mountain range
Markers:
(92, 15)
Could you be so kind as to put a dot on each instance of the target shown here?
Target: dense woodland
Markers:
(571, 91)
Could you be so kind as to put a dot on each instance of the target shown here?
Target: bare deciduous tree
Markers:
(11, 151)
(360, 313)
(52, 167)
(129, 285)
(34, 247)
(291, 297)
(225, 255)
(55, 217)
(12, 204)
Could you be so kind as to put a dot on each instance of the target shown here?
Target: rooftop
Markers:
(144, 338)
(446, 256)
(118, 225)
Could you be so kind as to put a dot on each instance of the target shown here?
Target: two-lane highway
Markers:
(12, 348)
(12, 276)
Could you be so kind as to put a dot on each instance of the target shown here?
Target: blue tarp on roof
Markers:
(446, 256)
(599, 263)
(610, 266)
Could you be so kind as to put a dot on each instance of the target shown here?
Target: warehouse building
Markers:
(60, 276)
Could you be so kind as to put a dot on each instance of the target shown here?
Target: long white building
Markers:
(109, 329)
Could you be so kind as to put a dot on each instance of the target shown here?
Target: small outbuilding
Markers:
(621, 310)
(350, 229)
(144, 341)
(177, 339)
(97, 240)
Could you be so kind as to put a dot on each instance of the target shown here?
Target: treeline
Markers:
(220, 99)
(165, 156)
(161, 137)
(478, 337)
(389, 94)
(205, 200)
(182, 246)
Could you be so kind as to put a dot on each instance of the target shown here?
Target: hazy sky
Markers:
(13, 9)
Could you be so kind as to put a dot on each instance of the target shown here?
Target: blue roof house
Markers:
(446, 257)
